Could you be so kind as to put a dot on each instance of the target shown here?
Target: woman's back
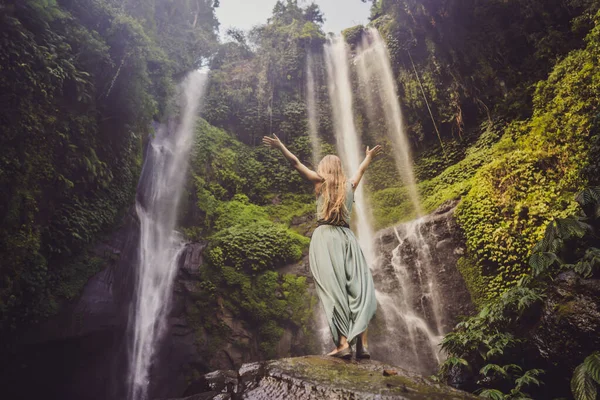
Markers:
(349, 201)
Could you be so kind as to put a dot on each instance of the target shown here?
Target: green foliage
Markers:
(586, 378)
(238, 211)
(537, 170)
(291, 209)
(466, 57)
(486, 343)
(230, 181)
(474, 279)
(570, 243)
(258, 246)
(353, 35)
(232, 204)
(445, 181)
(268, 302)
(257, 81)
(491, 340)
(81, 81)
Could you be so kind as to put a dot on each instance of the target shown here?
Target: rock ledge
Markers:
(319, 377)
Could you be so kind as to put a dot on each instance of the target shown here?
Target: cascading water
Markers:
(348, 141)
(311, 108)
(408, 295)
(158, 196)
(374, 68)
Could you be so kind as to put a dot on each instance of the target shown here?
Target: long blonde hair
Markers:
(333, 189)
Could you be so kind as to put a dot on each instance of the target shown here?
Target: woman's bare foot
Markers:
(338, 349)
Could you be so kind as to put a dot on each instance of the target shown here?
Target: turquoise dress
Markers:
(342, 275)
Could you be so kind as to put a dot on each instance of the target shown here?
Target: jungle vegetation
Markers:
(500, 101)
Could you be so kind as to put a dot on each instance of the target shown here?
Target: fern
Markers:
(590, 195)
(540, 262)
(529, 378)
(572, 228)
(492, 394)
(495, 368)
(452, 362)
(558, 231)
(590, 261)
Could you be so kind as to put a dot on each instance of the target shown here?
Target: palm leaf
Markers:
(454, 361)
(550, 234)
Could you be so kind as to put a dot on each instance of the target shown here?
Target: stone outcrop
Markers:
(318, 377)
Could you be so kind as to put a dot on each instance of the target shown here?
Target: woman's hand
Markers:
(273, 142)
(375, 151)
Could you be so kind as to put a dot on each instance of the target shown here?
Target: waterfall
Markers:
(311, 109)
(347, 140)
(374, 68)
(158, 196)
(409, 298)
(409, 323)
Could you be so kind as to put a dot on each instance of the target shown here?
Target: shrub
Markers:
(258, 246)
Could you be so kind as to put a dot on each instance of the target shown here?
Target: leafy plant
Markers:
(568, 243)
(586, 378)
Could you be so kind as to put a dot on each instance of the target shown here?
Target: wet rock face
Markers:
(570, 322)
(421, 293)
(317, 377)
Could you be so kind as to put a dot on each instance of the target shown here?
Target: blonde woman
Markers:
(344, 281)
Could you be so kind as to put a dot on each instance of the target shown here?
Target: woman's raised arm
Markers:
(369, 154)
(294, 161)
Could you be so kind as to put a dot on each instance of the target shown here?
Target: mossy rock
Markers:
(319, 377)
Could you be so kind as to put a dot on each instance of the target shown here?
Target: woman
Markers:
(344, 281)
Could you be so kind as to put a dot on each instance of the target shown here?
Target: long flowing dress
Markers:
(344, 281)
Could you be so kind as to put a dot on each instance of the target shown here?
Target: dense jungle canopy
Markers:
(501, 102)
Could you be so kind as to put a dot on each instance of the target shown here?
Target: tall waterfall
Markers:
(407, 290)
(159, 192)
(374, 68)
(348, 141)
(408, 326)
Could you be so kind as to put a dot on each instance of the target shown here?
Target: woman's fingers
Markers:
(375, 150)
(269, 141)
